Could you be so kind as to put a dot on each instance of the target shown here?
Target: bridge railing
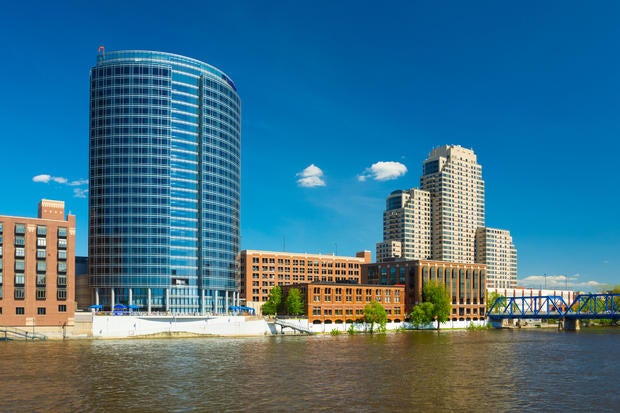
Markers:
(593, 306)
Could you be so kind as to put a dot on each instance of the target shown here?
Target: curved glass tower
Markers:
(164, 162)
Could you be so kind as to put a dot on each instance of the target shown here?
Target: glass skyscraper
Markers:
(164, 162)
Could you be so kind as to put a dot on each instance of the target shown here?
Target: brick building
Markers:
(262, 270)
(465, 282)
(37, 268)
(329, 303)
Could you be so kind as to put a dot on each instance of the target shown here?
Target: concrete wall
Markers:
(133, 326)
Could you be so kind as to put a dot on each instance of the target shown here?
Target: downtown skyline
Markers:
(337, 118)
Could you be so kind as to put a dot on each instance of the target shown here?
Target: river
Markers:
(465, 371)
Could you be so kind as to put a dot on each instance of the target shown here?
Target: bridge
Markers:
(10, 333)
(294, 326)
(546, 307)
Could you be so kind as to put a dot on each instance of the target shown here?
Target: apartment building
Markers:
(330, 303)
(37, 268)
(494, 247)
(262, 270)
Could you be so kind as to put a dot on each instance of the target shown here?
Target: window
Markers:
(19, 310)
(19, 265)
(62, 267)
(40, 253)
(41, 310)
(19, 279)
(20, 229)
(62, 308)
(41, 266)
(19, 293)
(62, 281)
(41, 293)
(20, 251)
(41, 230)
(41, 242)
(20, 241)
(62, 294)
(62, 232)
(62, 243)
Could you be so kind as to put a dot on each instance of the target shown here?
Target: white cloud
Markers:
(80, 192)
(79, 182)
(311, 177)
(42, 178)
(561, 282)
(77, 192)
(383, 171)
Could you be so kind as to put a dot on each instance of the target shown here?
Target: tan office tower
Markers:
(406, 226)
(453, 177)
(494, 247)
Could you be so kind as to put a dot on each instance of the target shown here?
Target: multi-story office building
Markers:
(453, 177)
(406, 220)
(389, 251)
(494, 247)
(165, 145)
(37, 268)
(465, 282)
(262, 270)
(327, 303)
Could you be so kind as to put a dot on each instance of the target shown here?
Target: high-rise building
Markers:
(165, 146)
(37, 268)
(494, 247)
(406, 221)
(453, 177)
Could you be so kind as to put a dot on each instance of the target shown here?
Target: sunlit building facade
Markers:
(494, 247)
(165, 147)
(263, 270)
(464, 282)
(37, 268)
(453, 177)
(406, 226)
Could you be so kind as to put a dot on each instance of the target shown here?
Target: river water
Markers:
(478, 371)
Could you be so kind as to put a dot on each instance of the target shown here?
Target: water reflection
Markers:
(451, 371)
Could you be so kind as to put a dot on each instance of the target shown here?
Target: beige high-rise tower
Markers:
(453, 177)
(406, 226)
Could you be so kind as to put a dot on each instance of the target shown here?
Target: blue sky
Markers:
(330, 89)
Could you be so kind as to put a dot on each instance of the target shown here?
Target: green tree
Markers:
(274, 300)
(294, 302)
(435, 306)
(374, 313)
(422, 314)
(492, 298)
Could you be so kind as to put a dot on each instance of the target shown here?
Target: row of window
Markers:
(303, 262)
(62, 308)
(20, 229)
(316, 311)
(20, 280)
(19, 293)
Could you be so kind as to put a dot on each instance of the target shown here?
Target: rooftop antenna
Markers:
(100, 53)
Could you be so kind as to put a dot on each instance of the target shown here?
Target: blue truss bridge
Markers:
(583, 307)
